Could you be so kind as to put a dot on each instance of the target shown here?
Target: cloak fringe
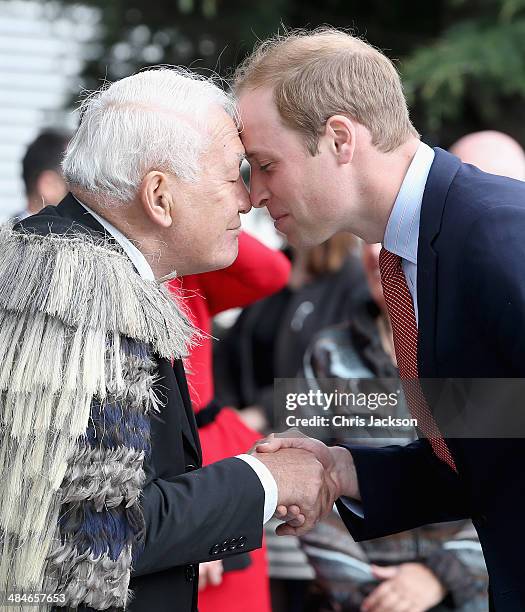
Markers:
(78, 327)
(89, 283)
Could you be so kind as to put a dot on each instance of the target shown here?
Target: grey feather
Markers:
(66, 303)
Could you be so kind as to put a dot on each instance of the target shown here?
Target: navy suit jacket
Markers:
(471, 299)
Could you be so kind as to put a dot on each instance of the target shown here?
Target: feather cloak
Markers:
(79, 330)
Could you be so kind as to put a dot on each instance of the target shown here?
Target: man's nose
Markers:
(244, 199)
(259, 195)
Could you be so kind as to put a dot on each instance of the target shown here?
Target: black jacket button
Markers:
(241, 542)
(224, 545)
(190, 467)
(233, 544)
(215, 549)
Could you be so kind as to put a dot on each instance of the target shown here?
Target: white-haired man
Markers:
(103, 503)
(327, 131)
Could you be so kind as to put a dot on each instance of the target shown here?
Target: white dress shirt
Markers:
(145, 271)
(402, 230)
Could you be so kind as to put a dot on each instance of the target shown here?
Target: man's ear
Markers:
(341, 134)
(156, 198)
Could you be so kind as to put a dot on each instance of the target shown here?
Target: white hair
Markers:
(153, 120)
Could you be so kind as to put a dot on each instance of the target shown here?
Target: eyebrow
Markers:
(234, 163)
(256, 153)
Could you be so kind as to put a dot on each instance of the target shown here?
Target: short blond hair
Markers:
(325, 72)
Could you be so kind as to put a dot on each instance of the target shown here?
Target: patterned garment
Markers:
(401, 310)
(78, 332)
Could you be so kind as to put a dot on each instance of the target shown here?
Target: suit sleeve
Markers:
(405, 487)
(402, 487)
(190, 518)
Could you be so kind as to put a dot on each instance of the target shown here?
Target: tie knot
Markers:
(389, 263)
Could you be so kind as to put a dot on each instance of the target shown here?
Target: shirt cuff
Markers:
(353, 505)
(268, 483)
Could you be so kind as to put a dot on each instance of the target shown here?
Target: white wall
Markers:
(41, 50)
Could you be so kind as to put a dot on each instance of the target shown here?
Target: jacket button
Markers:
(224, 546)
(215, 549)
(190, 573)
(233, 544)
(241, 542)
(190, 467)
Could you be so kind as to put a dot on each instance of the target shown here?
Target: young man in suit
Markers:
(332, 148)
(104, 503)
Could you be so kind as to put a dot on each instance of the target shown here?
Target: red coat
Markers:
(256, 273)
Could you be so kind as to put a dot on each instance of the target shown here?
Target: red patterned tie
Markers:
(401, 310)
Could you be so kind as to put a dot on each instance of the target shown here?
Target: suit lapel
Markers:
(70, 208)
(442, 173)
(191, 436)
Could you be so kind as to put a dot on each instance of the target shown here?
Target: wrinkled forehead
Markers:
(224, 136)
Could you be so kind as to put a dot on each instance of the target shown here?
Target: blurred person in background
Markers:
(493, 152)
(268, 341)
(269, 338)
(41, 171)
(437, 567)
(240, 583)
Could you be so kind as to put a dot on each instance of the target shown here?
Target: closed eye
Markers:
(265, 167)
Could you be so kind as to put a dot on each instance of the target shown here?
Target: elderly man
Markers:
(332, 148)
(103, 502)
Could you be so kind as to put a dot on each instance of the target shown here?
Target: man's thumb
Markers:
(269, 445)
(384, 573)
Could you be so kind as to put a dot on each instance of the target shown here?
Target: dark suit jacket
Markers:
(192, 515)
(471, 299)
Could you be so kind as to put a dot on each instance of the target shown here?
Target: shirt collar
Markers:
(137, 258)
(402, 230)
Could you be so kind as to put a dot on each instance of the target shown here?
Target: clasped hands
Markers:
(310, 476)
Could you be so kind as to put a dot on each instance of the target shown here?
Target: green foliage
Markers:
(464, 65)
(477, 63)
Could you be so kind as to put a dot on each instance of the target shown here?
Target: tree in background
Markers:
(462, 61)
(472, 75)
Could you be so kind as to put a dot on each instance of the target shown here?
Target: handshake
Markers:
(310, 476)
